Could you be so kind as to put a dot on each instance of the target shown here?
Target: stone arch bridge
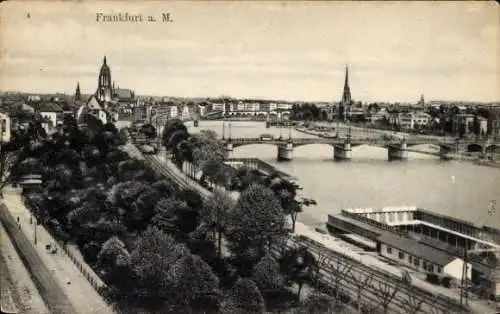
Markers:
(397, 149)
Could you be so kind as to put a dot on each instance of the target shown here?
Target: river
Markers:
(459, 189)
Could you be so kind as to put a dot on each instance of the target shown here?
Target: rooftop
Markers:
(49, 107)
(414, 248)
(123, 93)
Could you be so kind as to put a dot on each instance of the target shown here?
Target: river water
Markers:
(459, 189)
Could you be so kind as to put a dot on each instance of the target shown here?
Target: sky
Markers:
(396, 51)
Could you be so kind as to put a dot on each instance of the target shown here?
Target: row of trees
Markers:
(163, 249)
(151, 242)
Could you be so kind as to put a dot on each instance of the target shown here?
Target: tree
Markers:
(8, 160)
(318, 303)
(144, 208)
(206, 147)
(385, 292)
(171, 216)
(165, 187)
(149, 131)
(215, 213)
(244, 297)
(413, 304)
(266, 274)
(125, 193)
(297, 265)
(194, 285)
(111, 251)
(255, 221)
(171, 127)
(243, 177)
(339, 269)
(361, 282)
(154, 254)
(286, 192)
(109, 127)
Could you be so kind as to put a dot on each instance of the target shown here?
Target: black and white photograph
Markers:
(261, 157)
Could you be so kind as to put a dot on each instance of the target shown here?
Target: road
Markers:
(79, 292)
(8, 298)
(24, 291)
(49, 289)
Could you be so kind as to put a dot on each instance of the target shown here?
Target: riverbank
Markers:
(328, 241)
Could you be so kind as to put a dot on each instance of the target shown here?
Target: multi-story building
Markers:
(5, 128)
(380, 115)
(219, 106)
(356, 114)
(495, 129)
(166, 112)
(409, 120)
(50, 111)
(463, 123)
(284, 107)
(269, 107)
(421, 118)
(183, 112)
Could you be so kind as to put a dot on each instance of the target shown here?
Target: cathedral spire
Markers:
(105, 60)
(78, 95)
(346, 97)
(346, 83)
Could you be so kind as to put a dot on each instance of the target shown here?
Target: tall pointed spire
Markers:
(346, 83)
(78, 95)
(104, 59)
(346, 97)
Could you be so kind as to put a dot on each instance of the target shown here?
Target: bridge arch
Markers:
(274, 144)
(308, 144)
(474, 148)
(495, 149)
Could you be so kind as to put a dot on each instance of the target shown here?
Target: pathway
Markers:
(21, 284)
(83, 297)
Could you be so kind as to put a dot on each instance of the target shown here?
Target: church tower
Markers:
(345, 104)
(78, 95)
(104, 87)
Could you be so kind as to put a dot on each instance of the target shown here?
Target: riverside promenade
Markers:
(64, 287)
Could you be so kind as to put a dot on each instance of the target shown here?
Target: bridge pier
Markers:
(228, 151)
(397, 151)
(285, 151)
(342, 151)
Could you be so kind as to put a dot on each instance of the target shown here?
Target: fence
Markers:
(85, 269)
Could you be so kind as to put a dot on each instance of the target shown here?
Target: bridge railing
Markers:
(356, 140)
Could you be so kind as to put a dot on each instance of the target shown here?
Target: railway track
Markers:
(407, 299)
(431, 303)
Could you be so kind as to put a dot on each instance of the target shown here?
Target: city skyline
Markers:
(278, 50)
